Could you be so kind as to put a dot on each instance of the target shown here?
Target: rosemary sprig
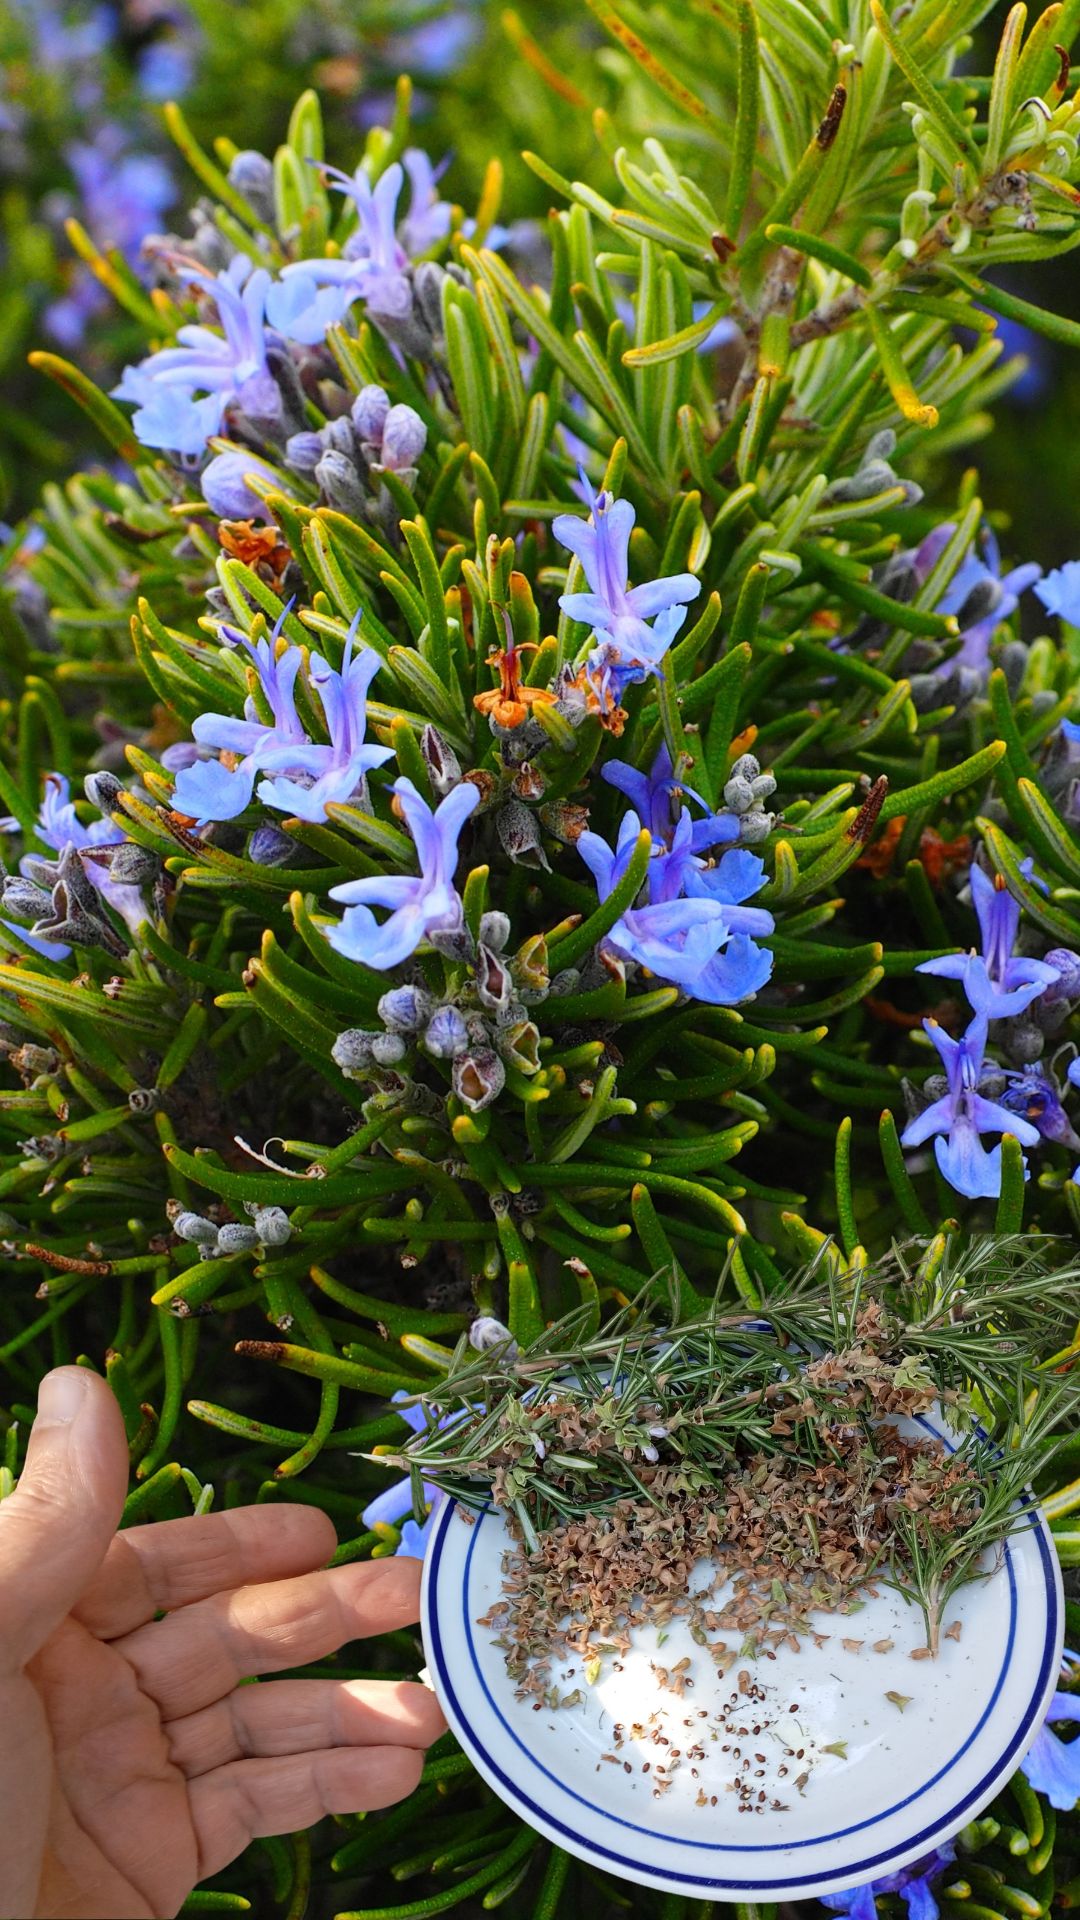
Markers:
(809, 1394)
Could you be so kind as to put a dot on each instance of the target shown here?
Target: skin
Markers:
(133, 1763)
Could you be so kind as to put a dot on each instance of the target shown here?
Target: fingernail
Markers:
(60, 1396)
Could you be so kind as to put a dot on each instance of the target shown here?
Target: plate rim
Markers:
(718, 1884)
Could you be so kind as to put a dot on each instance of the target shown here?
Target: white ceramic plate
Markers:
(905, 1779)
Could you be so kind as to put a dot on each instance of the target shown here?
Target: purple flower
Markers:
(224, 486)
(998, 983)
(1060, 593)
(653, 796)
(308, 775)
(315, 294)
(628, 648)
(333, 772)
(680, 939)
(166, 68)
(912, 1883)
(962, 1115)
(224, 368)
(210, 790)
(979, 595)
(420, 906)
(428, 219)
(1050, 1765)
(1037, 1097)
(121, 195)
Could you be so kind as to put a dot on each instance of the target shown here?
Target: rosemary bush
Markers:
(599, 603)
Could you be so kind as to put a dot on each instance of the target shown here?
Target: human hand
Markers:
(133, 1763)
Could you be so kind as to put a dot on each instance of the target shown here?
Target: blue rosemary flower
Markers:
(307, 775)
(120, 196)
(912, 1883)
(997, 982)
(962, 1115)
(703, 943)
(1051, 1765)
(1037, 1096)
(428, 219)
(979, 595)
(313, 295)
(1060, 592)
(654, 797)
(332, 773)
(222, 368)
(628, 648)
(214, 790)
(421, 905)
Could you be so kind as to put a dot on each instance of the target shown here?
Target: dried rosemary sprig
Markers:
(784, 1426)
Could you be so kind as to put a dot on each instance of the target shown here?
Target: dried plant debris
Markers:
(745, 1477)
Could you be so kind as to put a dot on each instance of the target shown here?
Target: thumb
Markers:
(56, 1527)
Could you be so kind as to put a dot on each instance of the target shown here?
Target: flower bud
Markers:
(340, 484)
(235, 1238)
(269, 847)
(738, 794)
(479, 1078)
(351, 1051)
(495, 930)
(1067, 984)
(745, 767)
(428, 293)
(1023, 1042)
(755, 826)
(103, 790)
(183, 753)
(404, 438)
(252, 174)
(193, 1227)
(387, 1049)
(225, 489)
(404, 1009)
(271, 1225)
(446, 1034)
(369, 413)
(133, 866)
(304, 450)
(493, 983)
(338, 437)
(488, 1335)
(23, 900)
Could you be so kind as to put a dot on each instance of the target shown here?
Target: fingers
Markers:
(199, 1654)
(250, 1799)
(150, 1570)
(304, 1716)
(56, 1527)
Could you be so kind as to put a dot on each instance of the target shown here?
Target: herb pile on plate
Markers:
(747, 1474)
